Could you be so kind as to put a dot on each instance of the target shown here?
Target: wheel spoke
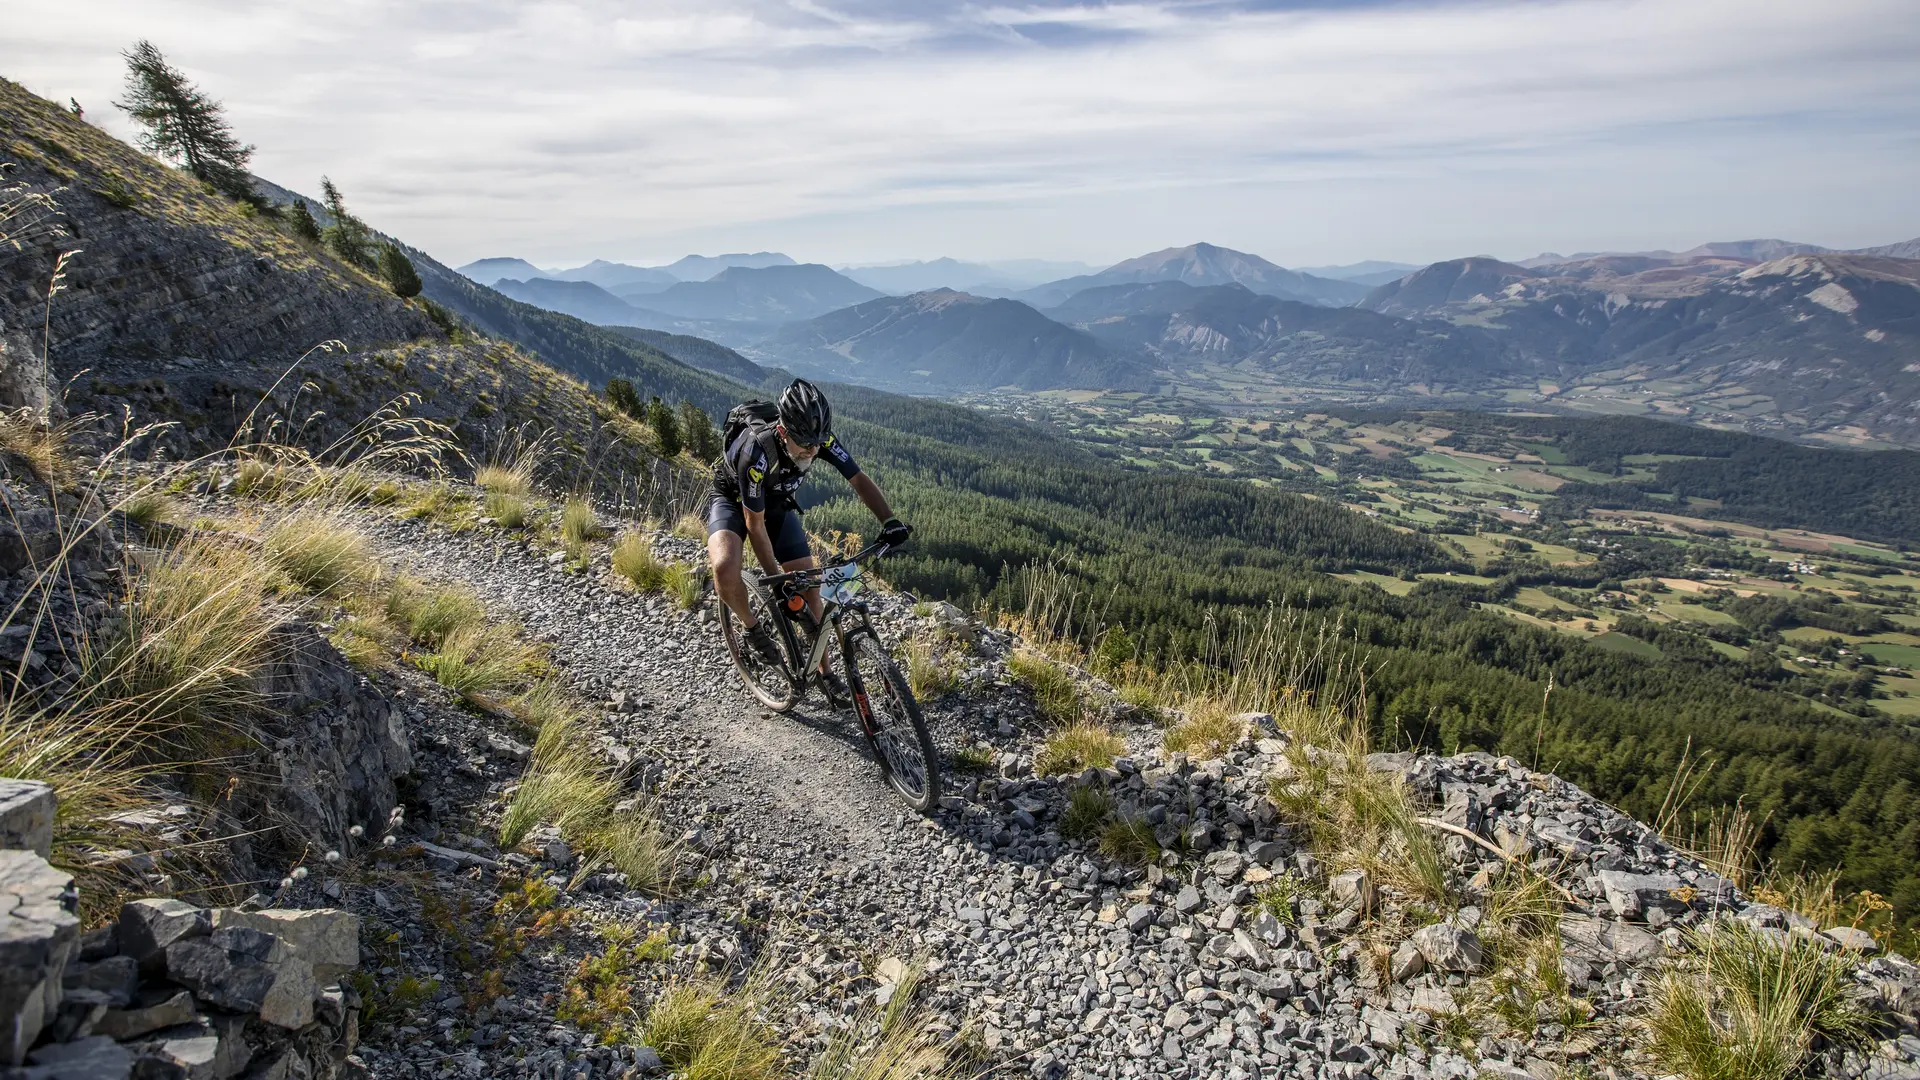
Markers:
(897, 729)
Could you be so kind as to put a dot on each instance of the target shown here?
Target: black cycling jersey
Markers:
(756, 470)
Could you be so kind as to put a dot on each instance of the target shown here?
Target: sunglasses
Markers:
(802, 445)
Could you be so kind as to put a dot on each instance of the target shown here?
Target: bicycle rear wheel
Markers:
(892, 721)
(774, 686)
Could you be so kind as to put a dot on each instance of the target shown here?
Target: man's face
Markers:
(799, 452)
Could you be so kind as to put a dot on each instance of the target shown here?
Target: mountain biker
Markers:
(752, 502)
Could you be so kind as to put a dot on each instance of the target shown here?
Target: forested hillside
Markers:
(1178, 560)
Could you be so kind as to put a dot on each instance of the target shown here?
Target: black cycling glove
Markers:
(894, 532)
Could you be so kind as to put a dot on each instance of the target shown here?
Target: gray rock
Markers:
(228, 978)
(96, 1057)
(1189, 900)
(1352, 889)
(1605, 941)
(647, 1060)
(450, 860)
(1852, 939)
(1449, 948)
(190, 1052)
(1140, 916)
(1630, 895)
(132, 1023)
(118, 977)
(1225, 866)
(38, 937)
(1267, 852)
(1434, 1000)
(26, 816)
(148, 927)
(1462, 809)
(1406, 962)
(328, 939)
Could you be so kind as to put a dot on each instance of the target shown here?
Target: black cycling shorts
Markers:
(783, 526)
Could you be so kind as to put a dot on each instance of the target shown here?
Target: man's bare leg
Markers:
(724, 553)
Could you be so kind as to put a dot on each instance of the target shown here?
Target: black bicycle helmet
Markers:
(805, 414)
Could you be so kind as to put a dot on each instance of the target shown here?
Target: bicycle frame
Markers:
(831, 613)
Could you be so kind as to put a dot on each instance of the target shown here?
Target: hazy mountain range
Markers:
(1768, 333)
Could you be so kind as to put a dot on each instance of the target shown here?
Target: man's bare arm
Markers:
(869, 493)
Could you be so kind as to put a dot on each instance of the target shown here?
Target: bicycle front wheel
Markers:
(893, 724)
(774, 686)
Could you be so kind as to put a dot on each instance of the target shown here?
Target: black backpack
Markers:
(746, 415)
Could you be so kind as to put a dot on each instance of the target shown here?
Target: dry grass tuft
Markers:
(892, 1042)
(1129, 840)
(149, 508)
(515, 478)
(703, 1032)
(568, 787)
(931, 672)
(1088, 809)
(430, 613)
(1352, 815)
(1056, 695)
(321, 551)
(507, 510)
(1209, 731)
(683, 584)
(634, 560)
(1076, 747)
(196, 634)
(1750, 1005)
(481, 659)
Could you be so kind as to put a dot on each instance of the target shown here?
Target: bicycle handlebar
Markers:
(803, 577)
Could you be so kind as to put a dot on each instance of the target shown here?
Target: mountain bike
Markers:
(889, 716)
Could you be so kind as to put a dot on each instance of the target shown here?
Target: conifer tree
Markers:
(348, 236)
(184, 124)
(666, 430)
(401, 277)
(697, 432)
(623, 396)
(304, 226)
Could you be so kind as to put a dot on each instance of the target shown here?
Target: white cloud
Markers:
(561, 131)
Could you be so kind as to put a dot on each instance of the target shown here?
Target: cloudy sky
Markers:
(872, 130)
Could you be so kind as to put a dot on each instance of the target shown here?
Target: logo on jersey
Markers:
(756, 473)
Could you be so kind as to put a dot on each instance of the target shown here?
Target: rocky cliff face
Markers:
(163, 268)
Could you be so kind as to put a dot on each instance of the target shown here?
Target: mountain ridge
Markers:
(1202, 264)
(950, 340)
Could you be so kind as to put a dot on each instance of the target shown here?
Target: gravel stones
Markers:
(1189, 901)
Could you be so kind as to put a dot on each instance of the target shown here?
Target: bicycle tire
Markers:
(776, 689)
(891, 720)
